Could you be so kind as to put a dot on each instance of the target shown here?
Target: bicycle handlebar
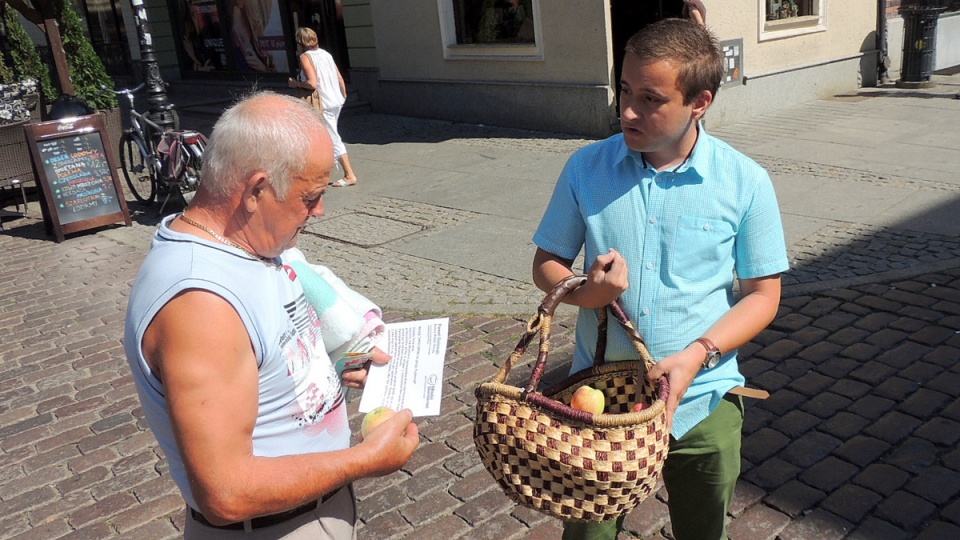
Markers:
(123, 91)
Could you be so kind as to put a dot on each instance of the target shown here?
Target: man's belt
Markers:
(265, 521)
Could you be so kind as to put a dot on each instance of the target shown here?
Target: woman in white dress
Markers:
(320, 76)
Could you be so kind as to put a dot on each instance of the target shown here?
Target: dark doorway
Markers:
(629, 16)
(325, 17)
(108, 35)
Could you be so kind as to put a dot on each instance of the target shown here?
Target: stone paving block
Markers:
(893, 427)
(382, 501)
(873, 373)
(825, 404)
(779, 350)
(392, 525)
(913, 455)
(782, 402)
(811, 384)
(896, 388)
(795, 367)
(828, 474)
(838, 367)
(809, 449)
(903, 355)
(939, 530)
(791, 322)
(905, 510)
(795, 423)
(437, 503)
(771, 473)
(924, 403)
(943, 356)
(847, 336)
(760, 522)
(647, 518)
(877, 529)
(483, 507)
(852, 503)
(820, 307)
(836, 320)
(849, 389)
(952, 459)
(473, 484)
(936, 485)
(886, 338)
(874, 321)
(770, 381)
(794, 498)
(882, 478)
(817, 525)
(945, 382)
(763, 444)
(940, 431)
(932, 335)
(531, 517)
(809, 336)
(871, 407)
(862, 450)
(951, 512)
(745, 495)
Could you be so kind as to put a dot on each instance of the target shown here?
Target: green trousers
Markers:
(700, 474)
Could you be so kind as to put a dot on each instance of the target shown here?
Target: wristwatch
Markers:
(713, 353)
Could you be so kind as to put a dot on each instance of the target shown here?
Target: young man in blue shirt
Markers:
(670, 218)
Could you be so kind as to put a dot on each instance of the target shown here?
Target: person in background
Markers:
(227, 354)
(670, 218)
(318, 72)
(695, 11)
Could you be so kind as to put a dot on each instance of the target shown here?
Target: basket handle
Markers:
(544, 319)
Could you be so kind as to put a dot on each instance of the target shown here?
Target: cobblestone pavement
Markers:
(859, 439)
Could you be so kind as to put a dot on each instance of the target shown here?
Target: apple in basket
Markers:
(640, 406)
(373, 419)
(588, 399)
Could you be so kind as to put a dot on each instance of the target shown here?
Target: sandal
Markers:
(342, 183)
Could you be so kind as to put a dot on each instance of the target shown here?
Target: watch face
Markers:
(712, 360)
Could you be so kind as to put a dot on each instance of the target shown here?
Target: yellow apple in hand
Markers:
(588, 399)
(373, 419)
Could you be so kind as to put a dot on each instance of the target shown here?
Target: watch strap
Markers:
(711, 348)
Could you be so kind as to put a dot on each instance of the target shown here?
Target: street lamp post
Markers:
(162, 111)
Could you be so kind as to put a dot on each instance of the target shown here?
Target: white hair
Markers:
(266, 132)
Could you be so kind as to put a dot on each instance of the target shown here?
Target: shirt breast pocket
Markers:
(702, 248)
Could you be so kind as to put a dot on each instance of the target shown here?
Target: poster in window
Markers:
(202, 35)
(494, 21)
(256, 36)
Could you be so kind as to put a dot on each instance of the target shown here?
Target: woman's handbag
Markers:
(564, 462)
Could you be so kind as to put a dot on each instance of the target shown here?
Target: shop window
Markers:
(490, 28)
(785, 18)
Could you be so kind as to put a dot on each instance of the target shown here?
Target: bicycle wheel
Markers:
(136, 168)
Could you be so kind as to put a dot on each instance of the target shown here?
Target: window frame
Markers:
(487, 51)
(795, 26)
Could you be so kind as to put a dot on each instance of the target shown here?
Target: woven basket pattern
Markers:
(566, 463)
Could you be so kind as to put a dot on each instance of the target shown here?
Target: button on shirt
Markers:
(684, 233)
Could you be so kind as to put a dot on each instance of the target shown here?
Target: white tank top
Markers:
(301, 405)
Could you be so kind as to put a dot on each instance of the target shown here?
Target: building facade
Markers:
(536, 64)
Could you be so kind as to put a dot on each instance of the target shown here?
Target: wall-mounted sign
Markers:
(732, 61)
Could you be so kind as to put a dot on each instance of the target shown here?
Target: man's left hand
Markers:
(357, 378)
(680, 369)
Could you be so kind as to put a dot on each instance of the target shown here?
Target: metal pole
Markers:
(162, 111)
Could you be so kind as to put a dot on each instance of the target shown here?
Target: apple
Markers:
(640, 406)
(374, 418)
(588, 399)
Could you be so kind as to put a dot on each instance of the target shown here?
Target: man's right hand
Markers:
(392, 443)
(607, 279)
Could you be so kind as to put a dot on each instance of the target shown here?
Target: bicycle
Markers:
(157, 161)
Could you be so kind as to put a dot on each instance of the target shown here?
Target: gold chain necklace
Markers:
(222, 240)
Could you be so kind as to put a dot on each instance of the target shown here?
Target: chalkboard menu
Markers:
(77, 175)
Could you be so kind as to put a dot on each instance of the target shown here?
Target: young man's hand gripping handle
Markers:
(606, 278)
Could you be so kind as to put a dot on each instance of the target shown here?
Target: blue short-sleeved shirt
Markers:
(684, 234)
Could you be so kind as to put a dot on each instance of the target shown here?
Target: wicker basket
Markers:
(567, 463)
